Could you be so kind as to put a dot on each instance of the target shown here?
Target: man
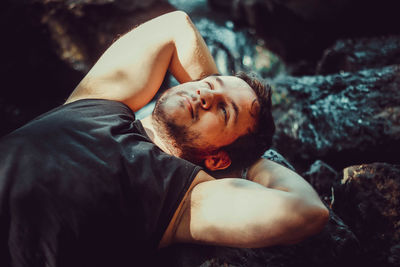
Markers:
(88, 185)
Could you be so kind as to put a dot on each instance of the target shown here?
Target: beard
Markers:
(181, 137)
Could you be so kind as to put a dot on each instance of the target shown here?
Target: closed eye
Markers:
(225, 113)
(210, 85)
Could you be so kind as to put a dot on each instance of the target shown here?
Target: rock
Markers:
(324, 179)
(351, 55)
(336, 245)
(342, 119)
(368, 201)
(299, 31)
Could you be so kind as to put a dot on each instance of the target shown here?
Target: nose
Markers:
(207, 97)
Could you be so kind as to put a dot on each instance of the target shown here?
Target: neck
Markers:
(159, 137)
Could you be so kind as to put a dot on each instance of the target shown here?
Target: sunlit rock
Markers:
(368, 201)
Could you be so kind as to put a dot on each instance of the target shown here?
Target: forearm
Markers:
(133, 68)
(309, 206)
(240, 213)
(275, 206)
(191, 59)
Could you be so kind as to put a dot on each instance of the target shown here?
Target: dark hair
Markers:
(249, 147)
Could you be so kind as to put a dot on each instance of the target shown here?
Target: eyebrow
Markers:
(219, 80)
(236, 109)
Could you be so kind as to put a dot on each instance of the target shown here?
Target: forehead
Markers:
(233, 86)
(237, 89)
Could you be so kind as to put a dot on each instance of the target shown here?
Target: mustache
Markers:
(196, 112)
(194, 101)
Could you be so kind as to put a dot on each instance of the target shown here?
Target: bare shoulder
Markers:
(170, 232)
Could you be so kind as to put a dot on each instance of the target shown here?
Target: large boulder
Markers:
(349, 55)
(368, 201)
(342, 119)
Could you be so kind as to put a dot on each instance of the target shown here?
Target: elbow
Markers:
(319, 219)
(179, 16)
(312, 220)
(181, 27)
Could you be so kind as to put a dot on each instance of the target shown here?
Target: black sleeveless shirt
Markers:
(83, 185)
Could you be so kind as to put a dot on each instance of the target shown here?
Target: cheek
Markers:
(213, 131)
(210, 122)
(171, 102)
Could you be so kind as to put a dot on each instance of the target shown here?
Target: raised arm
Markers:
(277, 207)
(133, 68)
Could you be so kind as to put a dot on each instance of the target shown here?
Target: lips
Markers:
(189, 105)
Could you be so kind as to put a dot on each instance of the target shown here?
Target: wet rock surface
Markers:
(358, 54)
(343, 119)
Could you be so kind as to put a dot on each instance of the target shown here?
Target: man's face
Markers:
(207, 114)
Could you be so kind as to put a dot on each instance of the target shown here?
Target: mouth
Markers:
(189, 105)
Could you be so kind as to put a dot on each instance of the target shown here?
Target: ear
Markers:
(217, 161)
